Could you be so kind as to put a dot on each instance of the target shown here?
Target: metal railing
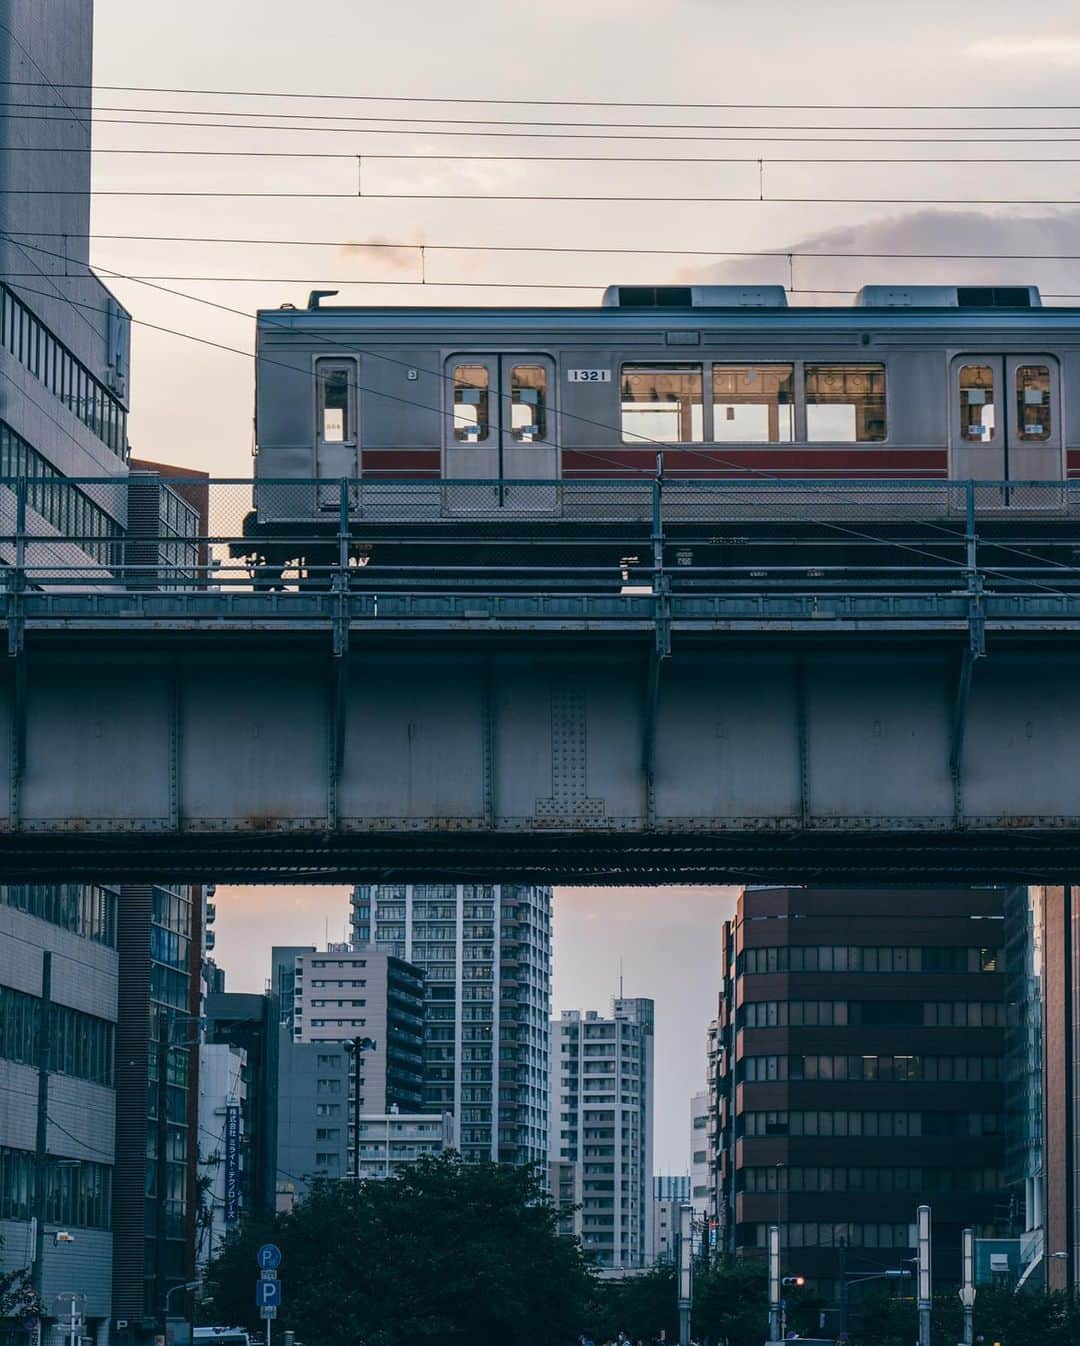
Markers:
(635, 551)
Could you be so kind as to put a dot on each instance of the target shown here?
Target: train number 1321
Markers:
(588, 375)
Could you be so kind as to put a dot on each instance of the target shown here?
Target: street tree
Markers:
(442, 1252)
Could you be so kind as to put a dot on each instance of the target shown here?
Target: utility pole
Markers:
(925, 1281)
(686, 1272)
(774, 1282)
(967, 1287)
(356, 1048)
(161, 1150)
(41, 1136)
(843, 1289)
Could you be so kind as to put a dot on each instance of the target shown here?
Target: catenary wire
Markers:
(989, 137)
(576, 124)
(418, 283)
(545, 248)
(365, 155)
(549, 102)
(757, 200)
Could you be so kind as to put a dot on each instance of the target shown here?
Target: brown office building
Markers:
(857, 1072)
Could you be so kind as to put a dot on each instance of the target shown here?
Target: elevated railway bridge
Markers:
(608, 682)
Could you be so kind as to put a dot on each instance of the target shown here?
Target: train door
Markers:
(337, 435)
(1006, 419)
(501, 428)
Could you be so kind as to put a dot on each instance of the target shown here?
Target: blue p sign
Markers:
(267, 1294)
(268, 1257)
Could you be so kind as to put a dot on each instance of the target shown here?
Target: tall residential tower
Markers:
(602, 1129)
(486, 952)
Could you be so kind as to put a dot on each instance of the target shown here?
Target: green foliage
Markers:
(18, 1298)
(1031, 1318)
(641, 1306)
(444, 1252)
(731, 1303)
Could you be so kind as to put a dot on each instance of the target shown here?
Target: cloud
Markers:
(387, 255)
(926, 247)
(1062, 48)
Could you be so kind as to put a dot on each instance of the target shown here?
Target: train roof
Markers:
(711, 307)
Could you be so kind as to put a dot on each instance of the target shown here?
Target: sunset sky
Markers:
(192, 402)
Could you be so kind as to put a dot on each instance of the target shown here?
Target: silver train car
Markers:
(549, 419)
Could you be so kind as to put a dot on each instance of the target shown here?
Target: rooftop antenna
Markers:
(620, 977)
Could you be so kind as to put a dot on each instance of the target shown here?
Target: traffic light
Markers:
(793, 1282)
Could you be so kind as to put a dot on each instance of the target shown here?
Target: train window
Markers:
(753, 404)
(662, 403)
(472, 423)
(845, 404)
(332, 380)
(528, 403)
(977, 419)
(1033, 401)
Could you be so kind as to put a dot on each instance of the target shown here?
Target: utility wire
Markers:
(576, 124)
(582, 250)
(425, 283)
(756, 200)
(353, 155)
(990, 135)
(554, 102)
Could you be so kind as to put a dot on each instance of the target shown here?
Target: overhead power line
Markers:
(990, 136)
(580, 250)
(549, 102)
(353, 155)
(749, 199)
(576, 124)
(424, 283)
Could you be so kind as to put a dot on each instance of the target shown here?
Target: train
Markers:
(485, 432)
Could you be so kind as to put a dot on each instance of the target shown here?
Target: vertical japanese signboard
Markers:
(232, 1164)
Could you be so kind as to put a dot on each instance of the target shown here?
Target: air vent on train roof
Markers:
(695, 296)
(949, 296)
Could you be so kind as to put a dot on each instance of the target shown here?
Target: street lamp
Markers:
(356, 1048)
(175, 1289)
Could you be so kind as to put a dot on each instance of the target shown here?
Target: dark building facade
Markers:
(237, 1019)
(858, 1064)
(154, 1193)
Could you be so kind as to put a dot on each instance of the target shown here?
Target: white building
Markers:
(391, 1140)
(602, 1124)
(486, 953)
(700, 1186)
(222, 1096)
(325, 1002)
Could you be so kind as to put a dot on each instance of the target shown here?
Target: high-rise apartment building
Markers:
(602, 1129)
(486, 953)
(324, 1004)
(58, 987)
(345, 995)
(859, 1057)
